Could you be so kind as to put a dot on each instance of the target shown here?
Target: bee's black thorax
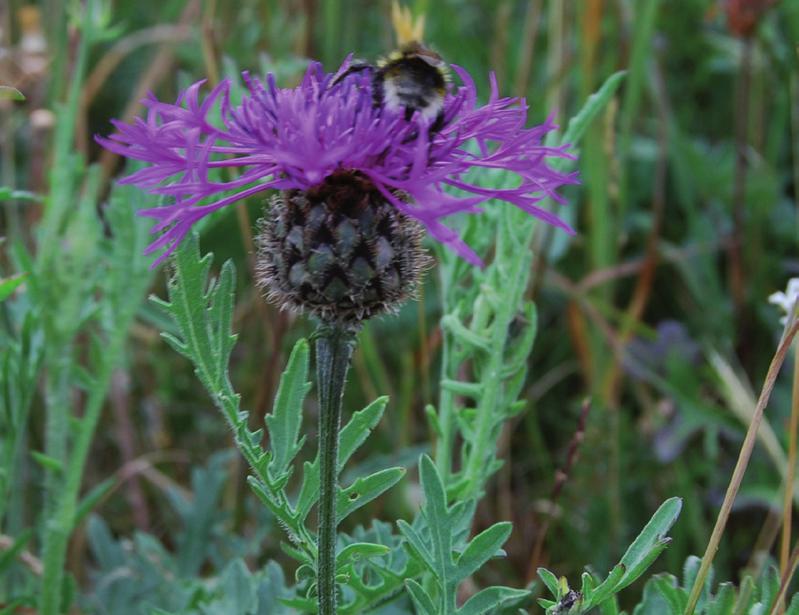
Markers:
(413, 82)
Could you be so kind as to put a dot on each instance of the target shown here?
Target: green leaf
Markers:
(587, 587)
(47, 462)
(437, 515)
(359, 551)
(203, 313)
(9, 285)
(7, 194)
(421, 599)
(469, 389)
(364, 490)
(237, 589)
(491, 598)
(674, 596)
(285, 420)
(589, 111)
(358, 429)
(650, 542)
(551, 581)
(452, 323)
(609, 586)
(415, 543)
(723, 602)
(90, 500)
(354, 433)
(9, 93)
(482, 547)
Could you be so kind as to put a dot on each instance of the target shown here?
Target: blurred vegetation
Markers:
(687, 218)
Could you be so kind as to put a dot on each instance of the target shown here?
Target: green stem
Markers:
(334, 347)
(62, 520)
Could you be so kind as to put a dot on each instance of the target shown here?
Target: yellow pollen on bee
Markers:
(406, 27)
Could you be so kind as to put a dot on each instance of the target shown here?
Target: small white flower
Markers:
(787, 300)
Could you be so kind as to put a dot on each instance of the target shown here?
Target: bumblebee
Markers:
(412, 78)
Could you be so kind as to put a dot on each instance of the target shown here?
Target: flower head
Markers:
(788, 301)
(294, 139)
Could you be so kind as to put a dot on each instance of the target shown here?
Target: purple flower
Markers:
(207, 153)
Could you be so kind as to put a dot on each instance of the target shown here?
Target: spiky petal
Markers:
(295, 138)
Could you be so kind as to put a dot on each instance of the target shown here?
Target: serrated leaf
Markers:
(481, 548)
(364, 490)
(237, 589)
(491, 598)
(354, 433)
(203, 312)
(438, 519)
(421, 599)
(285, 420)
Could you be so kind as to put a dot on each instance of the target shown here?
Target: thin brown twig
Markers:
(740, 467)
(787, 505)
(787, 574)
(162, 33)
(561, 478)
(665, 255)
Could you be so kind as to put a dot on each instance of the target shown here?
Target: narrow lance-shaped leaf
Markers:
(366, 489)
(421, 599)
(592, 107)
(491, 598)
(481, 548)
(652, 537)
(284, 422)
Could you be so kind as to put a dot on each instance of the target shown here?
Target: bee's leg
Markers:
(437, 124)
(377, 89)
(355, 68)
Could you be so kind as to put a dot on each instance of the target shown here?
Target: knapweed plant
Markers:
(341, 241)
(379, 183)
(363, 161)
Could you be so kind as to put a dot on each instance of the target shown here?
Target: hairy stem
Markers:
(334, 347)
